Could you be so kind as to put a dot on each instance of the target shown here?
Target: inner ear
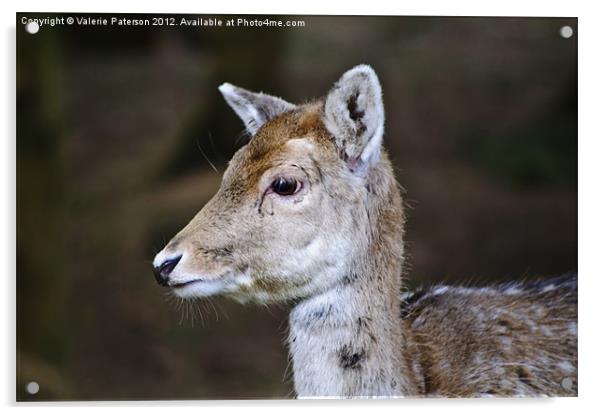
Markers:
(354, 115)
(254, 109)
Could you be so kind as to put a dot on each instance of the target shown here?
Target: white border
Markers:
(590, 206)
(373, 7)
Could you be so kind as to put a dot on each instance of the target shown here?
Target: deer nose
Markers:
(162, 271)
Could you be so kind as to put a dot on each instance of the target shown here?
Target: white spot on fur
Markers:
(513, 291)
(440, 290)
(566, 367)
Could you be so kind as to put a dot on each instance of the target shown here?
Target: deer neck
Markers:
(348, 341)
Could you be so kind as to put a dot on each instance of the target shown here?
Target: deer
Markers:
(309, 213)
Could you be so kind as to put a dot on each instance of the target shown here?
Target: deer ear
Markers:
(254, 109)
(355, 116)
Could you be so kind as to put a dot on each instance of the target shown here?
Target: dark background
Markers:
(111, 127)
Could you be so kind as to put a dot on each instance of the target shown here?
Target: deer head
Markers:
(289, 217)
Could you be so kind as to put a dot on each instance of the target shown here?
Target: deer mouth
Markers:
(185, 284)
(199, 287)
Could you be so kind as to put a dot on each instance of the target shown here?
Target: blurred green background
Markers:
(111, 127)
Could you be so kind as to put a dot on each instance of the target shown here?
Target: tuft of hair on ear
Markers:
(253, 108)
(354, 114)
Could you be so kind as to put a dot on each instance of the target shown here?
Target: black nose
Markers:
(162, 271)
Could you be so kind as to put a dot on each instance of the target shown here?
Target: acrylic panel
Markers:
(208, 206)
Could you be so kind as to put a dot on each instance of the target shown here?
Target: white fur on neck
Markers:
(324, 343)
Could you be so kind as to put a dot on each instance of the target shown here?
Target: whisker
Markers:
(223, 310)
(214, 309)
(198, 143)
(214, 148)
(200, 313)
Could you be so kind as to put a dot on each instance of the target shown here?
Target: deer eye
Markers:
(285, 186)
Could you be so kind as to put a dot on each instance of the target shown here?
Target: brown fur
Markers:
(502, 341)
(351, 333)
